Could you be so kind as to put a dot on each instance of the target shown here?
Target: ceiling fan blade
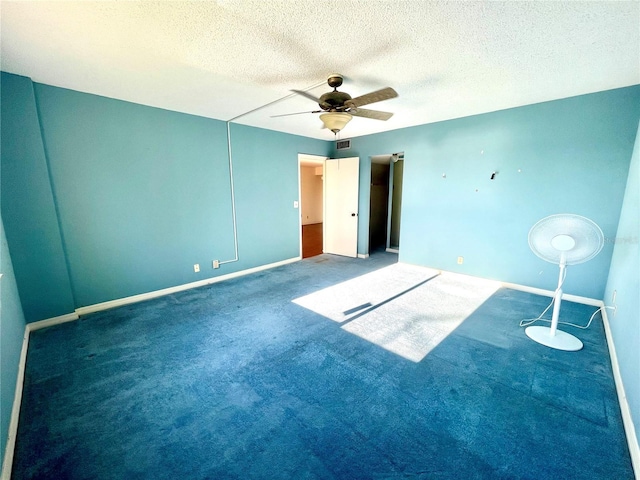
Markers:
(374, 114)
(296, 113)
(307, 94)
(373, 97)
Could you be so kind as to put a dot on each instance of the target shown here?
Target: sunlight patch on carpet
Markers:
(405, 309)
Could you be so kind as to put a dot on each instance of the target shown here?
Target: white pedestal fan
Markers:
(563, 239)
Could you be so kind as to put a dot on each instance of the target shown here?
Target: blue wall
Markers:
(11, 334)
(28, 208)
(265, 167)
(624, 278)
(140, 195)
(566, 156)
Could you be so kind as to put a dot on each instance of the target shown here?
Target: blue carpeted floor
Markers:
(245, 380)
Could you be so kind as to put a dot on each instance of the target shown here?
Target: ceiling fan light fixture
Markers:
(335, 121)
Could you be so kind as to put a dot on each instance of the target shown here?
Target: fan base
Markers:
(560, 341)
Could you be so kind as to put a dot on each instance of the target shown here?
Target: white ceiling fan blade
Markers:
(373, 97)
(374, 114)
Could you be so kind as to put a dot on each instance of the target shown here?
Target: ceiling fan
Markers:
(339, 107)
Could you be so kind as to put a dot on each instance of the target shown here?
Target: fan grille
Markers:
(548, 239)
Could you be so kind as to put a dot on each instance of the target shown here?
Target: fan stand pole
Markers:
(557, 298)
(551, 336)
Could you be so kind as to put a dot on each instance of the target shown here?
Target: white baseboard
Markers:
(178, 288)
(629, 427)
(7, 463)
(536, 291)
(97, 307)
(69, 317)
(363, 255)
(550, 293)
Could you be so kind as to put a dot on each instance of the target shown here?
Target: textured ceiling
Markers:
(224, 58)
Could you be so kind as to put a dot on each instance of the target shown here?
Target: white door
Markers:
(341, 206)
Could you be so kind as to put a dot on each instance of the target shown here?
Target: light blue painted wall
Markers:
(265, 166)
(28, 207)
(142, 194)
(12, 324)
(565, 156)
(624, 278)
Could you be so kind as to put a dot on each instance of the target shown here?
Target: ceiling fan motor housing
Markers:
(333, 100)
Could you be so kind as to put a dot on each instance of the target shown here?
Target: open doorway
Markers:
(385, 202)
(310, 174)
(395, 201)
(379, 204)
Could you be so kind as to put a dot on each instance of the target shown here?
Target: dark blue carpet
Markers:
(235, 381)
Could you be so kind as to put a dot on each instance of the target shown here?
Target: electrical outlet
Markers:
(295, 204)
(196, 267)
(216, 264)
(460, 260)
